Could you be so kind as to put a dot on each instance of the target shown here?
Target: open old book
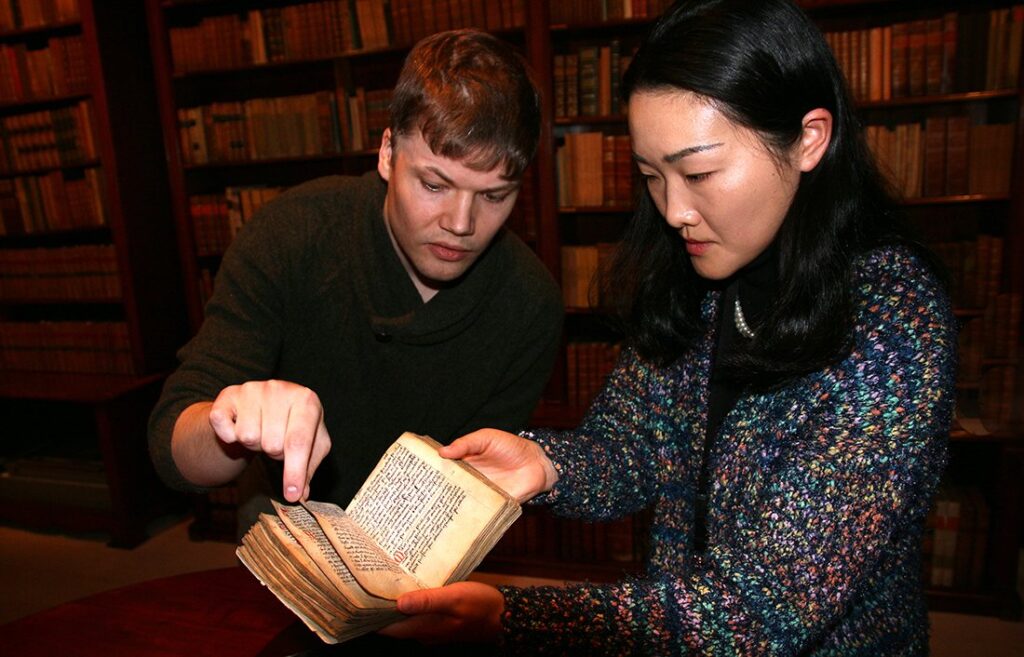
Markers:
(418, 521)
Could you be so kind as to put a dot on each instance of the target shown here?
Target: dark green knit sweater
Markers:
(312, 292)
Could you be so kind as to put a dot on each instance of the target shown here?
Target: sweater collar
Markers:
(757, 284)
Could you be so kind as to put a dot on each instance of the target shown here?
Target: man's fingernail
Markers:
(291, 491)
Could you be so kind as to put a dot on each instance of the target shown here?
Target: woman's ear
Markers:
(815, 138)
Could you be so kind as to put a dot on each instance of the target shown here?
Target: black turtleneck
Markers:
(756, 284)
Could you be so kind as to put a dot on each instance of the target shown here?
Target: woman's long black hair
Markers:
(764, 65)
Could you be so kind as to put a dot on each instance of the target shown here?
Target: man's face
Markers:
(441, 214)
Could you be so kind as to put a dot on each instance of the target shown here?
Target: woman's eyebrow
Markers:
(680, 154)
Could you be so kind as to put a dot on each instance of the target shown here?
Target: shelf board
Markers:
(324, 60)
(1000, 362)
(953, 200)
(84, 164)
(281, 160)
(595, 209)
(940, 99)
(27, 104)
(53, 28)
(62, 386)
(963, 436)
(86, 234)
(614, 119)
(1004, 604)
(61, 301)
(611, 25)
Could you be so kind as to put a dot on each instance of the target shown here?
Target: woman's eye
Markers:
(697, 177)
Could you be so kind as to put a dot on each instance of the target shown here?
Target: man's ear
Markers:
(815, 138)
(385, 154)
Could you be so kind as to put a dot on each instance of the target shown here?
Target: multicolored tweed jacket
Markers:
(817, 503)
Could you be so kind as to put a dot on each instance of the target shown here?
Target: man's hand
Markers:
(281, 419)
(464, 612)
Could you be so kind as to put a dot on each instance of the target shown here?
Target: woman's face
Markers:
(713, 181)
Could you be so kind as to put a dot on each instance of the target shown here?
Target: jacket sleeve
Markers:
(238, 341)
(602, 463)
(779, 574)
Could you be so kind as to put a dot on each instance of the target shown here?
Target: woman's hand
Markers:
(518, 465)
(464, 612)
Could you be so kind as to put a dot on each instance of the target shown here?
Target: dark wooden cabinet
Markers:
(91, 309)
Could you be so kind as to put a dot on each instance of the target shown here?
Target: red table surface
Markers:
(220, 613)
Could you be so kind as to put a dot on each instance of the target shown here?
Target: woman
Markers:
(788, 385)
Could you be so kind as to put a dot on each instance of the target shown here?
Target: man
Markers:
(353, 309)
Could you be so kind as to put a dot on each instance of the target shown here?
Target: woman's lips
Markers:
(696, 248)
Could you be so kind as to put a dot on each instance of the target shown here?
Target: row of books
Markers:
(76, 272)
(586, 80)
(523, 219)
(47, 139)
(25, 14)
(414, 19)
(58, 200)
(975, 268)
(321, 123)
(594, 169)
(598, 11)
(217, 218)
(587, 365)
(955, 544)
(580, 267)
(538, 534)
(71, 347)
(328, 28)
(972, 51)
(944, 156)
(56, 70)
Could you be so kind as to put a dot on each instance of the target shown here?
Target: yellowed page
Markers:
(309, 534)
(375, 571)
(424, 511)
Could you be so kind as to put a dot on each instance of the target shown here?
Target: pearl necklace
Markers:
(741, 321)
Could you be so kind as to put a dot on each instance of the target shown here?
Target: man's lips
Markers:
(448, 252)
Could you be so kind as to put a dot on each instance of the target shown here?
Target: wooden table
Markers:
(215, 613)
(220, 613)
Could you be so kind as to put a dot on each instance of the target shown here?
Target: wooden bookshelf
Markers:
(75, 277)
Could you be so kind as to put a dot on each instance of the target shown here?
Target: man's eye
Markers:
(431, 187)
(495, 198)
